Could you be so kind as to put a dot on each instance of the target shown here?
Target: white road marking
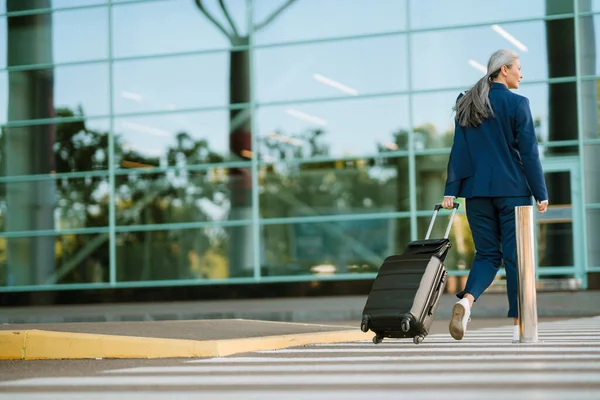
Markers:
(295, 394)
(413, 358)
(489, 340)
(357, 367)
(359, 378)
(423, 348)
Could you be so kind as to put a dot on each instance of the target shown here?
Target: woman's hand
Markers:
(448, 202)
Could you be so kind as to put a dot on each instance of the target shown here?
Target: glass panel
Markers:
(4, 97)
(181, 139)
(54, 148)
(590, 98)
(335, 187)
(172, 26)
(430, 179)
(206, 253)
(591, 173)
(463, 250)
(78, 89)
(435, 13)
(331, 69)
(354, 17)
(3, 35)
(553, 106)
(554, 110)
(80, 35)
(59, 37)
(336, 129)
(329, 248)
(184, 196)
(469, 48)
(173, 83)
(589, 5)
(65, 203)
(54, 259)
(555, 227)
(593, 237)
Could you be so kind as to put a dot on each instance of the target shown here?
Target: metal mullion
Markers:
(412, 178)
(57, 120)
(186, 282)
(33, 67)
(29, 67)
(560, 143)
(191, 53)
(55, 232)
(112, 235)
(316, 160)
(49, 177)
(582, 188)
(191, 168)
(434, 151)
(225, 223)
(317, 219)
(52, 287)
(256, 227)
(428, 213)
(51, 10)
(126, 2)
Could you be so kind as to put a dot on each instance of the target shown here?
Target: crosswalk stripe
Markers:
(411, 357)
(451, 349)
(359, 378)
(582, 340)
(357, 367)
(303, 394)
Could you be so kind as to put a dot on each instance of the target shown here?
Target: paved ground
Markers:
(564, 364)
(192, 330)
(305, 309)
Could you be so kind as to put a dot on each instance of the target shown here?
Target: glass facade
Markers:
(169, 142)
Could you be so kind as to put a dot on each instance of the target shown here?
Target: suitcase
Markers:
(405, 294)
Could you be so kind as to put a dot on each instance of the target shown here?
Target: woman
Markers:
(494, 164)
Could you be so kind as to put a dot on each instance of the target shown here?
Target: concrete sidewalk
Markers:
(178, 339)
(166, 339)
(307, 309)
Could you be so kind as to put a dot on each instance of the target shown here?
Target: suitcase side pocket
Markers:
(430, 290)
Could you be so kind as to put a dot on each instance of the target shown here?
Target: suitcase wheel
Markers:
(364, 326)
(377, 339)
(418, 339)
(405, 325)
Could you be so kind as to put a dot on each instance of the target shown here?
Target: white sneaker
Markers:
(515, 334)
(460, 317)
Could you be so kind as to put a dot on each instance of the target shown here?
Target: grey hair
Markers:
(474, 105)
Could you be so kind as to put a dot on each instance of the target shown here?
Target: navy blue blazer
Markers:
(500, 157)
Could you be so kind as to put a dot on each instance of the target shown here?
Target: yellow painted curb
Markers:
(45, 345)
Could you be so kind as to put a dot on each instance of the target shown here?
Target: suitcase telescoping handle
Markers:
(436, 209)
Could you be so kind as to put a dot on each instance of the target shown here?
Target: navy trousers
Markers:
(492, 223)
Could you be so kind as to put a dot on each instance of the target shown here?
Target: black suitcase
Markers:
(405, 294)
